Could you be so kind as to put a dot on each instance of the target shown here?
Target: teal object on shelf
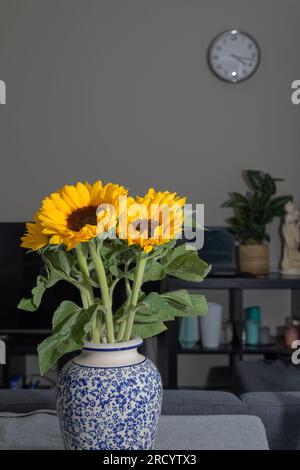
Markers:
(253, 313)
(252, 325)
(188, 332)
(252, 332)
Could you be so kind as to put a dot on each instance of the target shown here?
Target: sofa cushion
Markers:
(40, 431)
(200, 402)
(25, 401)
(264, 376)
(280, 413)
(175, 402)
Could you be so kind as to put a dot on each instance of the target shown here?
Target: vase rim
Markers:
(121, 346)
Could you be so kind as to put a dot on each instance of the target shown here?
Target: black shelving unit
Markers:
(169, 348)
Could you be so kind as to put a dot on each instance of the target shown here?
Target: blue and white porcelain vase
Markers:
(109, 398)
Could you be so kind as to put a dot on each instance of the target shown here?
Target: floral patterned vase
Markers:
(109, 398)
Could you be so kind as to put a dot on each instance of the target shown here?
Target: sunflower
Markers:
(154, 219)
(70, 216)
(34, 238)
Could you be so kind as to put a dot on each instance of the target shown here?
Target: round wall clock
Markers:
(233, 56)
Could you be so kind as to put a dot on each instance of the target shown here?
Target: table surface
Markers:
(40, 431)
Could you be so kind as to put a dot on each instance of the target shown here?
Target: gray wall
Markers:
(120, 90)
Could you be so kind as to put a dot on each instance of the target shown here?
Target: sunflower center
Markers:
(81, 217)
(146, 227)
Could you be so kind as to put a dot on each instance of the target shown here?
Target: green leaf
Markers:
(197, 305)
(116, 271)
(42, 283)
(257, 209)
(277, 204)
(154, 271)
(37, 293)
(66, 340)
(113, 248)
(254, 178)
(60, 262)
(147, 330)
(236, 200)
(154, 308)
(186, 264)
(64, 315)
(179, 296)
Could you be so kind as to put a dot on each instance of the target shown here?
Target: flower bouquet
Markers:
(97, 237)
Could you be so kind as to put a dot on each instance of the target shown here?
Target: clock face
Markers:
(233, 56)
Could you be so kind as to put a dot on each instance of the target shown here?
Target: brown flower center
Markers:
(146, 227)
(81, 217)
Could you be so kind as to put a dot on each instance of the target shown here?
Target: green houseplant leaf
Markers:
(256, 209)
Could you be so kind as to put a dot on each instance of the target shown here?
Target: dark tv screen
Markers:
(18, 272)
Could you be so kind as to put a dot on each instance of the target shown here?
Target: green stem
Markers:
(97, 260)
(121, 331)
(96, 328)
(86, 290)
(85, 274)
(138, 280)
(112, 288)
(84, 297)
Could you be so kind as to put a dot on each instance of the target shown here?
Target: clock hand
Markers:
(241, 57)
(238, 58)
(246, 58)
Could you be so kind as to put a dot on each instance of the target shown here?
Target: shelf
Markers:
(277, 348)
(235, 285)
(271, 281)
(199, 349)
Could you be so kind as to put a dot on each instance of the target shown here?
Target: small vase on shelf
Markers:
(188, 332)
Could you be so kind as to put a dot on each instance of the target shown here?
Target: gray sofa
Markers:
(263, 376)
(279, 411)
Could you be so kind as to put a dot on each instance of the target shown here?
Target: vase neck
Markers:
(110, 354)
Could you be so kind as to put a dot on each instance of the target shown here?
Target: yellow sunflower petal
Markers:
(34, 238)
(163, 217)
(69, 215)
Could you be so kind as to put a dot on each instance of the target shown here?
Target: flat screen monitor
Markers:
(18, 272)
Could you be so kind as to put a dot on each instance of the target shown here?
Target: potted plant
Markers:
(96, 237)
(252, 213)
